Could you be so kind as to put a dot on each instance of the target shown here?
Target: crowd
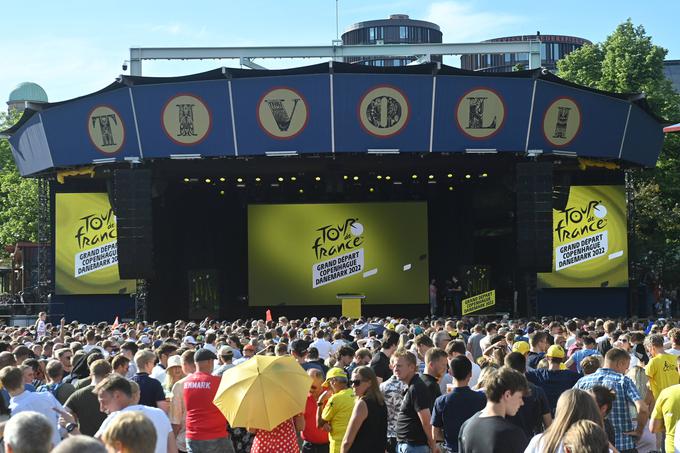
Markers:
(379, 384)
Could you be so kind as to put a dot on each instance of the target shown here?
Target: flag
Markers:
(269, 315)
(115, 323)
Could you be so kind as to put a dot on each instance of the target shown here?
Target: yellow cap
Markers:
(521, 346)
(555, 351)
(390, 326)
(334, 372)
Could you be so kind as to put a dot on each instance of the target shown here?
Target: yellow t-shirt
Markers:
(662, 373)
(667, 407)
(337, 412)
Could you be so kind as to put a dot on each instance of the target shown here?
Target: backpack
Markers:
(52, 388)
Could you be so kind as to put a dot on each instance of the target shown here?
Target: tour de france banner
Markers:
(479, 302)
(590, 244)
(307, 254)
(86, 258)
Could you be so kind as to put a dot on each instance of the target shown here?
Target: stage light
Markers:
(483, 175)
(280, 178)
(222, 179)
(258, 179)
(414, 176)
(371, 189)
(345, 177)
(186, 179)
(318, 178)
(388, 177)
(221, 192)
(208, 180)
(239, 180)
(293, 178)
(379, 177)
(356, 178)
(450, 175)
(468, 176)
(450, 188)
(430, 177)
(301, 191)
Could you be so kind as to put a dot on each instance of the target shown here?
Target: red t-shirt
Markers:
(312, 433)
(204, 419)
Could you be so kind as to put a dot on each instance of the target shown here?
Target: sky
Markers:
(75, 47)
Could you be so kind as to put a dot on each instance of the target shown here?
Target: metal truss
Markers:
(140, 300)
(44, 280)
(246, 55)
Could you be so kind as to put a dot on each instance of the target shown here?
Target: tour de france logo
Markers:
(106, 130)
(480, 113)
(562, 121)
(282, 113)
(383, 111)
(186, 119)
(338, 250)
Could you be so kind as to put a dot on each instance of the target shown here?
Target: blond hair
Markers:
(586, 436)
(133, 430)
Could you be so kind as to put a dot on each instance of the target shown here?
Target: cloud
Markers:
(463, 22)
(179, 30)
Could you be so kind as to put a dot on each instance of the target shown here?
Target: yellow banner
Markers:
(86, 257)
(479, 302)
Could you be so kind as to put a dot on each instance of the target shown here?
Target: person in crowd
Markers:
(173, 373)
(539, 345)
(79, 444)
(281, 439)
(151, 390)
(163, 353)
(314, 439)
(491, 329)
(116, 397)
(585, 436)
(535, 414)
(553, 380)
(488, 430)
(414, 432)
(393, 394)
(605, 401)
(130, 432)
(178, 412)
(662, 368)
(29, 432)
(589, 348)
(666, 414)
(612, 376)
(473, 343)
(83, 403)
(121, 365)
(313, 358)
(22, 400)
(226, 359)
(647, 441)
(334, 407)
(436, 364)
(452, 409)
(573, 405)
(128, 350)
(381, 361)
(454, 349)
(206, 427)
(55, 385)
(591, 364)
(362, 357)
(345, 356)
(299, 350)
(322, 344)
(249, 351)
(367, 428)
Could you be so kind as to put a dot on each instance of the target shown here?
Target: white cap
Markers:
(189, 340)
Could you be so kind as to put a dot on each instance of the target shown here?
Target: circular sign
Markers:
(282, 113)
(186, 119)
(480, 113)
(562, 121)
(383, 111)
(106, 130)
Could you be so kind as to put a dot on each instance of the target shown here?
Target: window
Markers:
(543, 51)
(556, 51)
(506, 57)
(403, 33)
(371, 34)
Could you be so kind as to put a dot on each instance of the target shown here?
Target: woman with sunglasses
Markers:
(367, 429)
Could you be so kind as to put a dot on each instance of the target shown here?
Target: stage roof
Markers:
(335, 108)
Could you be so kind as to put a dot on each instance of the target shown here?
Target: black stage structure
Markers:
(480, 149)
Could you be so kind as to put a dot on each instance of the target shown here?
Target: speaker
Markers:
(534, 215)
(132, 206)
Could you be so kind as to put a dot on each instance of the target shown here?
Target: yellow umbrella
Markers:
(262, 392)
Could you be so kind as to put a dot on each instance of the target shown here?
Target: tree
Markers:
(628, 62)
(18, 196)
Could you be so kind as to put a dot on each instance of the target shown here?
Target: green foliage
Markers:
(18, 196)
(628, 62)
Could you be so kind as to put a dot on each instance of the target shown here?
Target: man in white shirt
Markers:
(164, 352)
(456, 348)
(44, 403)
(116, 394)
(674, 336)
(322, 345)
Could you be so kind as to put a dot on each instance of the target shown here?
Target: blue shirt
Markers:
(553, 383)
(580, 355)
(626, 393)
(450, 411)
(150, 390)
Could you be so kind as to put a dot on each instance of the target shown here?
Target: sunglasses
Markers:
(355, 382)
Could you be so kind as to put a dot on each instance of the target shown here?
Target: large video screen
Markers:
(86, 258)
(590, 242)
(307, 254)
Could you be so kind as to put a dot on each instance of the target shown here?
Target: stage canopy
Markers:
(335, 108)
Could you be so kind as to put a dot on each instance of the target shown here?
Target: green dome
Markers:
(28, 91)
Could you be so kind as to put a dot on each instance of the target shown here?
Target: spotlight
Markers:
(450, 175)
(208, 180)
(239, 180)
(371, 189)
(379, 177)
(258, 179)
(414, 176)
(293, 178)
(221, 192)
(356, 178)
(450, 188)
(186, 179)
(222, 179)
(430, 177)
(388, 177)
(301, 191)
(468, 176)
(280, 179)
(483, 175)
(345, 177)
(318, 178)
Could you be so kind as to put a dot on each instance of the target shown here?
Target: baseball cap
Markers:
(226, 350)
(521, 346)
(189, 340)
(144, 339)
(249, 347)
(174, 360)
(334, 372)
(204, 354)
(555, 351)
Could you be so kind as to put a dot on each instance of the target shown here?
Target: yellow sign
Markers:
(282, 113)
(480, 113)
(105, 129)
(383, 111)
(186, 119)
(561, 122)
(479, 302)
(590, 240)
(86, 259)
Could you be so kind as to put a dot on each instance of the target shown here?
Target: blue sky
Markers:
(74, 47)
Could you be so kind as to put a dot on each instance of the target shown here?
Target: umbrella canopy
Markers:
(673, 128)
(379, 328)
(262, 392)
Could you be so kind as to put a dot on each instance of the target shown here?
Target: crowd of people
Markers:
(469, 385)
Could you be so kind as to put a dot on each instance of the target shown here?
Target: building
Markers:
(398, 29)
(671, 69)
(24, 94)
(553, 48)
